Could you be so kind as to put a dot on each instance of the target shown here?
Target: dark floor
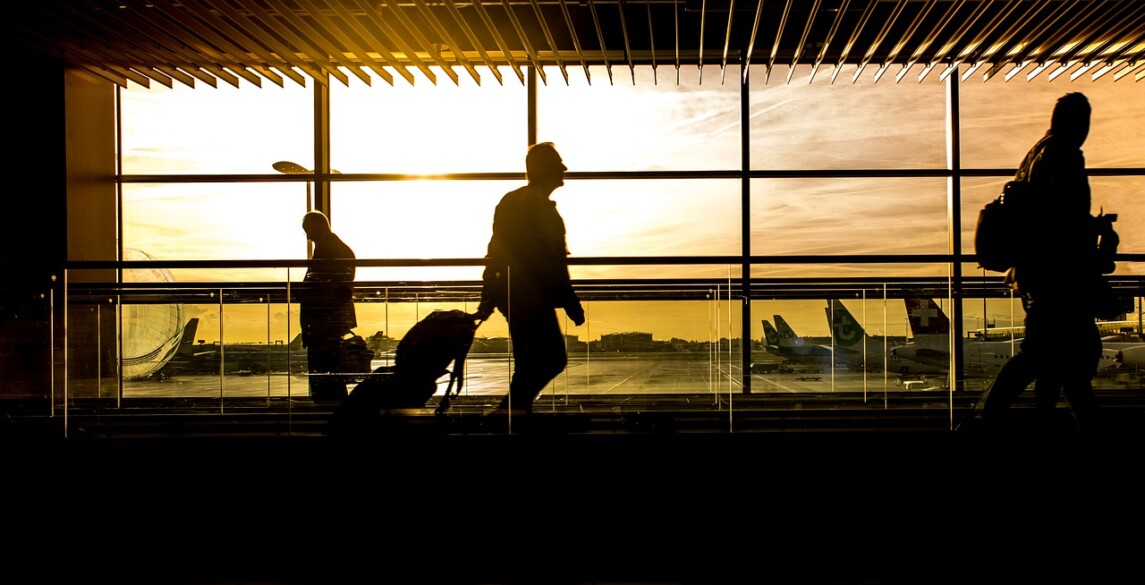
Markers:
(698, 508)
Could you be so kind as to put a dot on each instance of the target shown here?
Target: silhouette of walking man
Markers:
(526, 277)
(326, 307)
(1058, 276)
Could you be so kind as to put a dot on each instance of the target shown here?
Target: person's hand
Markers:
(576, 313)
(483, 312)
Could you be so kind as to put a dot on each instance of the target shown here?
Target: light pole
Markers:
(291, 168)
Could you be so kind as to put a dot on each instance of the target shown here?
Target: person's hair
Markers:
(316, 218)
(540, 159)
(1071, 110)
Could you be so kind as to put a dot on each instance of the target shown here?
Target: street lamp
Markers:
(291, 168)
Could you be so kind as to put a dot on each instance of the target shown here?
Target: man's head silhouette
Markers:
(315, 224)
(544, 167)
(1070, 120)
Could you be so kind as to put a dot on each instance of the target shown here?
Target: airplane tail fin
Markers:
(845, 329)
(296, 343)
(770, 335)
(187, 343)
(783, 330)
(926, 317)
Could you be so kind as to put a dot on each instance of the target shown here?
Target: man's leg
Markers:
(1010, 381)
(1080, 368)
(322, 362)
(538, 356)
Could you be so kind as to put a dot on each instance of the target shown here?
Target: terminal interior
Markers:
(770, 210)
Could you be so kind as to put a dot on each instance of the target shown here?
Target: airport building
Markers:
(759, 182)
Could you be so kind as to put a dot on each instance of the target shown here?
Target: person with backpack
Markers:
(326, 307)
(526, 277)
(1058, 274)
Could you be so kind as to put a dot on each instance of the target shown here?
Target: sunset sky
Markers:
(643, 126)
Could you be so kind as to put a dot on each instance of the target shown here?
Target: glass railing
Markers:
(174, 356)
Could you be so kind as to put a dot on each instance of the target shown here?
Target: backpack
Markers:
(999, 234)
(424, 354)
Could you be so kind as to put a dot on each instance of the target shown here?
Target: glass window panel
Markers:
(453, 219)
(845, 125)
(848, 216)
(217, 130)
(652, 124)
(1122, 195)
(429, 128)
(1001, 121)
(216, 221)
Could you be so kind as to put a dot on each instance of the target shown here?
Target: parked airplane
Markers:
(981, 355)
(857, 349)
(794, 346)
(232, 358)
(930, 331)
(1131, 358)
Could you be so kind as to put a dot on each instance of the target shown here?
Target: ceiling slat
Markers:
(372, 43)
(447, 39)
(323, 44)
(278, 56)
(975, 52)
(751, 41)
(600, 38)
(191, 21)
(506, 53)
(525, 40)
(189, 41)
(470, 36)
(911, 29)
(803, 39)
(576, 41)
(346, 35)
(376, 19)
(548, 34)
(727, 41)
(839, 14)
(627, 45)
(879, 39)
(419, 40)
(1020, 58)
(930, 39)
(1092, 37)
(257, 49)
(651, 41)
(164, 46)
(860, 26)
(778, 37)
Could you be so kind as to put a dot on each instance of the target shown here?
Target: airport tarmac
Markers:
(603, 375)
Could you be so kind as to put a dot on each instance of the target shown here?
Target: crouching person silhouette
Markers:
(326, 307)
(526, 278)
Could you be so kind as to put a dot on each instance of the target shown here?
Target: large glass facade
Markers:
(845, 180)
